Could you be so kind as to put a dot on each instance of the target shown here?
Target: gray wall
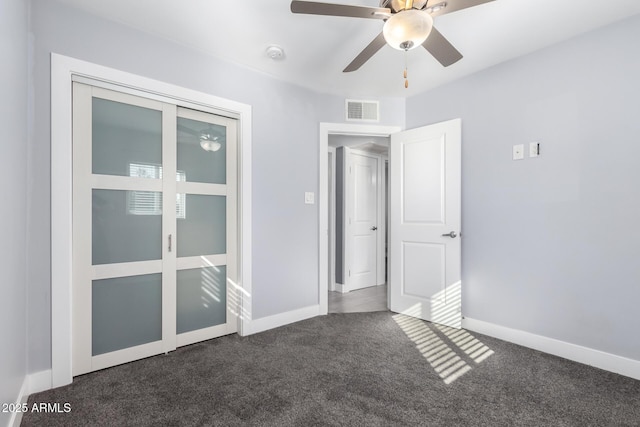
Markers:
(285, 154)
(13, 175)
(551, 245)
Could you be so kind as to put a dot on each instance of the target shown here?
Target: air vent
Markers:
(362, 110)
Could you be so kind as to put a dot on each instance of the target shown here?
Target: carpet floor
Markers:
(356, 369)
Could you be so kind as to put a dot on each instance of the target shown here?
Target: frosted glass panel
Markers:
(126, 140)
(126, 312)
(203, 230)
(202, 298)
(196, 158)
(127, 226)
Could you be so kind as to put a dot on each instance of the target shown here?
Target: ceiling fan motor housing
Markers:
(398, 5)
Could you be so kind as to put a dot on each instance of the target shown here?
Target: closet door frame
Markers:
(64, 70)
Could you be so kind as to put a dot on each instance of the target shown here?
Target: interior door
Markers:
(363, 221)
(425, 215)
(154, 233)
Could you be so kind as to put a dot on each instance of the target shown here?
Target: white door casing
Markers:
(362, 219)
(327, 129)
(332, 218)
(425, 219)
(64, 70)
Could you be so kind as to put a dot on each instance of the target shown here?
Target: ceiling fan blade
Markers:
(449, 6)
(185, 129)
(441, 49)
(330, 9)
(367, 53)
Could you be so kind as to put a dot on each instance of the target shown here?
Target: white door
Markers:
(154, 232)
(362, 237)
(425, 187)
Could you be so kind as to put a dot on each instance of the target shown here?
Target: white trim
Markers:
(342, 288)
(16, 417)
(588, 356)
(39, 381)
(186, 263)
(382, 220)
(327, 129)
(281, 319)
(125, 269)
(63, 69)
(332, 221)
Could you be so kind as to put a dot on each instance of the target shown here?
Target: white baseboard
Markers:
(344, 289)
(341, 288)
(281, 319)
(40, 381)
(33, 383)
(588, 356)
(16, 416)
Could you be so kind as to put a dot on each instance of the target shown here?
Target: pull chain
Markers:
(406, 82)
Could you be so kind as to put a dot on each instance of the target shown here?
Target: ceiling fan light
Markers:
(407, 29)
(210, 145)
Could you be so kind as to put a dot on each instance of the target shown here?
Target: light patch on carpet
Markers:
(437, 349)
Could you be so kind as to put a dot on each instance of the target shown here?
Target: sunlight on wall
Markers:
(449, 351)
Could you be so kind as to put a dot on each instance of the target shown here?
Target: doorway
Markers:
(436, 148)
(363, 135)
(357, 227)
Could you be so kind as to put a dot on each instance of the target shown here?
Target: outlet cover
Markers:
(309, 198)
(518, 152)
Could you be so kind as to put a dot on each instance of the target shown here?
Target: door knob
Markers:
(451, 234)
(374, 228)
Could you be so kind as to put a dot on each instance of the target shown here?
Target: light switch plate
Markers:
(309, 198)
(518, 152)
(534, 149)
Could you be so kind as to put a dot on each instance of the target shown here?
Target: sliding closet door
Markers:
(154, 227)
(206, 226)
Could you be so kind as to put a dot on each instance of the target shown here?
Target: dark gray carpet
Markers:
(357, 369)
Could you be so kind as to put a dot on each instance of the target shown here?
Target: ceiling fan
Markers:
(407, 24)
(210, 139)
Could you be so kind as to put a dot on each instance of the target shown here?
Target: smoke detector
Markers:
(275, 52)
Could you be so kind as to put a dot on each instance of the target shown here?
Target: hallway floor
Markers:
(362, 300)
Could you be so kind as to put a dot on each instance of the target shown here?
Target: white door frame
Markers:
(327, 129)
(63, 70)
(332, 220)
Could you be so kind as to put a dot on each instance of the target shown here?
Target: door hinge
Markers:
(349, 273)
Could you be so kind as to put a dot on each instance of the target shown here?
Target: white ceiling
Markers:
(317, 48)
